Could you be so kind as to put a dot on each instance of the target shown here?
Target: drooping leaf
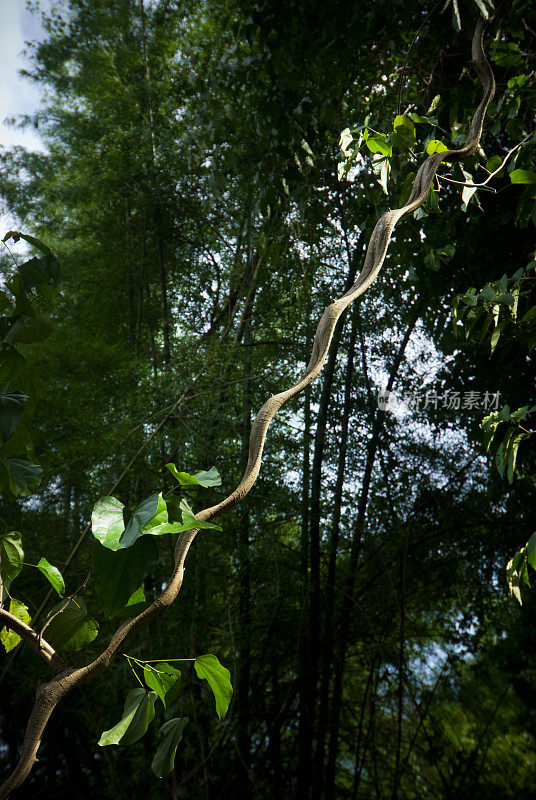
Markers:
(190, 522)
(9, 638)
(138, 712)
(162, 679)
(209, 668)
(53, 575)
(119, 573)
(72, 628)
(404, 130)
(204, 478)
(11, 556)
(379, 144)
(164, 759)
(22, 475)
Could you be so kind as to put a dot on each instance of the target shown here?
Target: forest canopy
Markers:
(216, 177)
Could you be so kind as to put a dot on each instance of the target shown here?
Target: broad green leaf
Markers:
(522, 176)
(190, 522)
(505, 298)
(404, 129)
(11, 410)
(40, 273)
(53, 576)
(493, 163)
(28, 329)
(209, 477)
(23, 475)
(9, 638)
(435, 146)
(515, 570)
(153, 507)
(72, 628)
(202, 478)
(487, 294)
(107, 522)
(495, 336)
(423, 120)
(378, 144)
(162, 679)
(11, 556)
(137, 714)
(119, 573)
(219, 679)
(164, 759)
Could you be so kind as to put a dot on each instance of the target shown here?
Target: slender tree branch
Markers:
(43, 649)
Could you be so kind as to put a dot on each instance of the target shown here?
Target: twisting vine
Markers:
(65, 679)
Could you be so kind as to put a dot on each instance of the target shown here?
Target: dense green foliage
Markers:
(204, 209)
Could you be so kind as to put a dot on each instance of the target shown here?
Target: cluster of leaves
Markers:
(26, 302)
(381, 146)
(122, 553)
(517, 569)
(515, 433)
(496, 307)
(11, 563)
(162, 682)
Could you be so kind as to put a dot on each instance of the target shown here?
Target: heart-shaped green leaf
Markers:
(137, 714)
(219, 679)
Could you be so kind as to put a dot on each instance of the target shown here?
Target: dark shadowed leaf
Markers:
(164, 759)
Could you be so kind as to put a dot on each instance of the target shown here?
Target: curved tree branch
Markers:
(43, 649)
(48, 695)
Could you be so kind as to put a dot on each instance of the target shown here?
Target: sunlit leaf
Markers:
(162, 679)
(9, 638)
(53, 576)
(138, 712)
(522, 176)
(219, 679)
(11, 556)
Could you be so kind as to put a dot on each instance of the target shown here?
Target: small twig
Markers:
(525, 430)
(491, 174)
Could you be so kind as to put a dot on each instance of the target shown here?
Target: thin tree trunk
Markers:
(158, 205)
(327, 639)
(307, 773)
(243, 740)
(347, 603)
